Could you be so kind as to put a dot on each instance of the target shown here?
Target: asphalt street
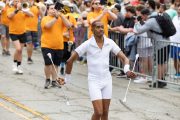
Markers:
(23, 97)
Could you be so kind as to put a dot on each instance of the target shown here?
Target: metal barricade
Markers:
(119, 40)
(168, 62)
(155, 63)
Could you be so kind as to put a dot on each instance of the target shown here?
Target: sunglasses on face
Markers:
(97, 3)
(98, 27)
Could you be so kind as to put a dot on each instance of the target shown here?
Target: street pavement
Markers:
(23, 97)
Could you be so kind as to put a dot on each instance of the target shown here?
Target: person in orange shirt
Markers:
(68, 35)
(17, 32)
(5, 42)
(52, 42)
(32, 29)
(99, 14)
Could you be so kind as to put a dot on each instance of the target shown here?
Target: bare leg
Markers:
(161, 71)
(29, 49)
(3, 43)
(106, 103)
(177, 65)
(18, 51)
(150, 65)
(47, 71)
(98, 109)
(53, 72)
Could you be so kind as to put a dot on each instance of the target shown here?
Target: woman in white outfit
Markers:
(97, 49)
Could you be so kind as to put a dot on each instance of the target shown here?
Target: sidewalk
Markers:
(142, 103)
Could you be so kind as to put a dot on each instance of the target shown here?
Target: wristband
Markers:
(126, 68)
(16, 11)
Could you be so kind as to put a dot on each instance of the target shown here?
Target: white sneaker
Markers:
(20, 71)
(141, 80)
(15, 69)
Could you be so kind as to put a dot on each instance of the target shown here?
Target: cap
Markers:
(49, 2)
(67, 3)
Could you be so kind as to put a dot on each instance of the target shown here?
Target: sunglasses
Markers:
(98, 27)
(97, 3)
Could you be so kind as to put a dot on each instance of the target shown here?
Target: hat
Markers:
(87, 0)
(95, 1)
(67, 3)
(48, 2)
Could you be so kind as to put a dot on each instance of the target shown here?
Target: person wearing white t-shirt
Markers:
(97, 49)
(175, 46)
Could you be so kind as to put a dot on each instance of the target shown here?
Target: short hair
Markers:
(48, 5)
(118, 7)
(145, 11)
(131, 9)
(152, 4)
(94, 23)
(140, 7)
(163, 6)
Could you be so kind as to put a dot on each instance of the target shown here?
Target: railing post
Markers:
(155, 65)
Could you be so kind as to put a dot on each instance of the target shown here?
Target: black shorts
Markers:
(55, 54)
(163, 55)
(20, 37)
(66, 53)
(32, 37)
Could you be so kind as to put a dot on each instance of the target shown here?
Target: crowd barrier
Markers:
(157, 59)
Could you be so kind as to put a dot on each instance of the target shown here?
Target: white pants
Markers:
(100, 88)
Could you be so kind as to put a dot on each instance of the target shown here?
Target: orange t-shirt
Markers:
(52, 37)
(104, 20)
(4, 18)
(32, 22)
(71, 32)
(17, 24)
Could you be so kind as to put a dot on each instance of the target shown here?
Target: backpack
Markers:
(166, 25)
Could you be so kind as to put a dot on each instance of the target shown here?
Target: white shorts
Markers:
(100, 89)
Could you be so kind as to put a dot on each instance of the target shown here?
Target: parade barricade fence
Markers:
(150, 58)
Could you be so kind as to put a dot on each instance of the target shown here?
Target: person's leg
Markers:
(47, 67)
(7, 44)
(3, 39)
(98, 109)
(106, 97)
(29, 46)
(106, 103)
(176, 58)
(47, 71)
(17, 57)
(64, 58)
(150, 65)
(18, 51)
(29, 50)
(96, 98)
(56, 57)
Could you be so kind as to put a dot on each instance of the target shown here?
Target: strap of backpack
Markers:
(156, 32)
(153, 30)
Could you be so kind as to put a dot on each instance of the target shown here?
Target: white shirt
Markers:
(98, 59)
(176, 38)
